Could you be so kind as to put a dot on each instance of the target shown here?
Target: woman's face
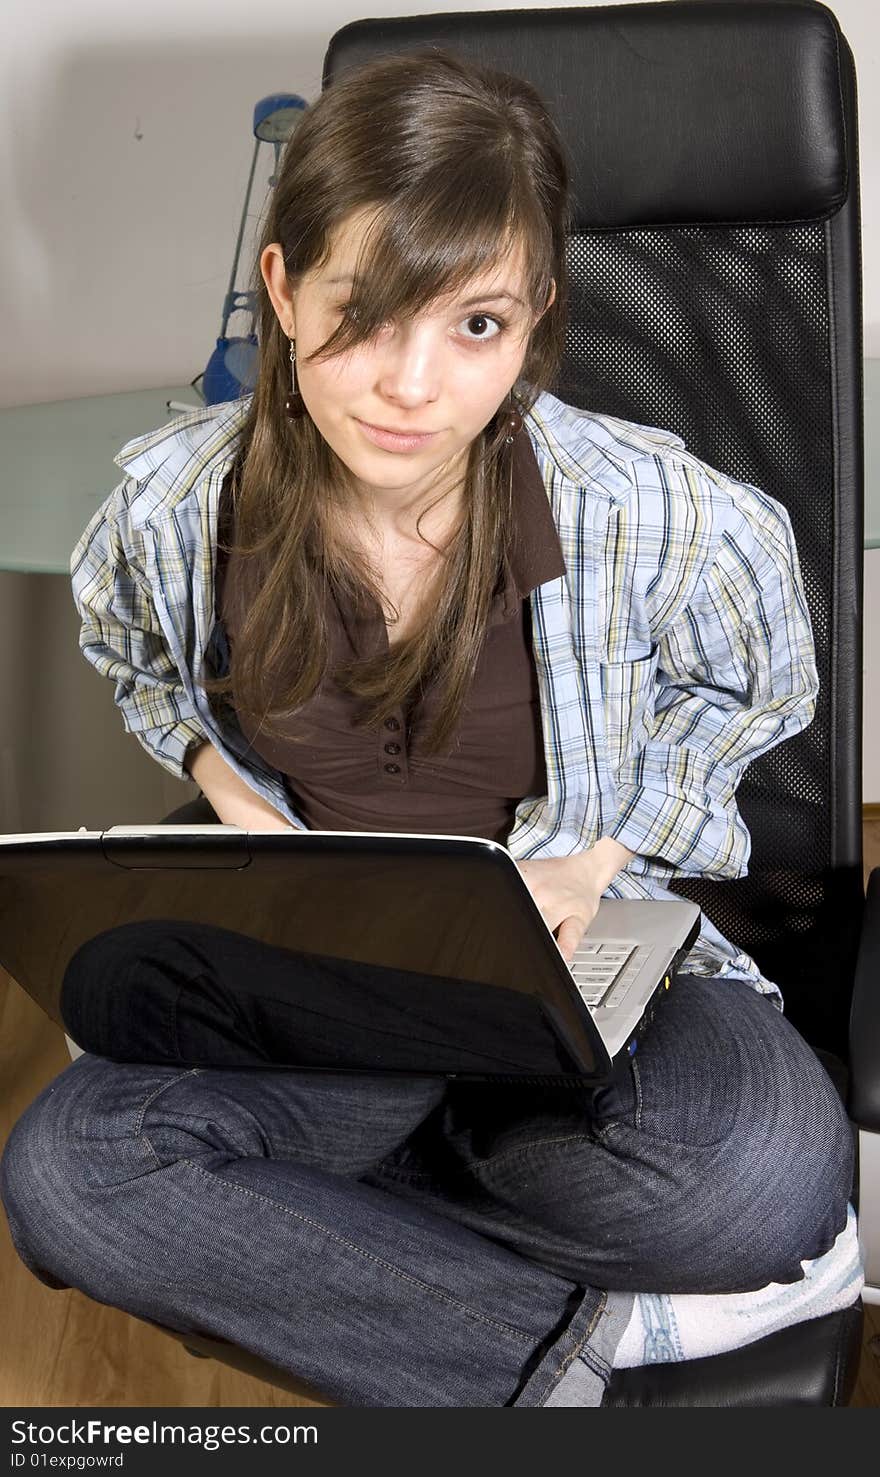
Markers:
(444, 372)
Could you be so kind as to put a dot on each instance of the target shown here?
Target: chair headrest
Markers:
(690, 112)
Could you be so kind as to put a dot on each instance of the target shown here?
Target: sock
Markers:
(665, 1327)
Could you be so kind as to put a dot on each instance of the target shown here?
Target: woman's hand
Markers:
(567, 889)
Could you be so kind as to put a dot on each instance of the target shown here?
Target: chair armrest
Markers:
(864, 1021)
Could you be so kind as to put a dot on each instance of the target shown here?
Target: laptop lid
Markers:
(342, 951)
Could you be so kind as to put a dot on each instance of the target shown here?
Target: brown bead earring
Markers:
(294, 405)
(513, 422)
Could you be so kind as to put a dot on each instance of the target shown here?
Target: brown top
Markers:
(347, 779)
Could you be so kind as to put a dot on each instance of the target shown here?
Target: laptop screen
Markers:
(329, 951)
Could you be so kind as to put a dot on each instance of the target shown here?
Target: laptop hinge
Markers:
(142, 848)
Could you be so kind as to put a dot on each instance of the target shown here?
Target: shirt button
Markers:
(392, 748)
(392, 723)
(392, 769)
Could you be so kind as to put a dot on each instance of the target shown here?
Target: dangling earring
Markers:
(513, 422)
(294, 405)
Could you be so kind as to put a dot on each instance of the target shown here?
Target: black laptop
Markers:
(330, 951)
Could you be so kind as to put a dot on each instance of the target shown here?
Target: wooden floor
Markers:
(62, 1348)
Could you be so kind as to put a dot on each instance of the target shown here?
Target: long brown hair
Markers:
(460, 163)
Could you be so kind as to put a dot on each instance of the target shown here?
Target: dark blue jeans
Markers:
(403, 1241)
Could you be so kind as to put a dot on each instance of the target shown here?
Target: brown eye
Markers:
(480, 324)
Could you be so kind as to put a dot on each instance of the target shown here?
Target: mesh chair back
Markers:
(716, 292)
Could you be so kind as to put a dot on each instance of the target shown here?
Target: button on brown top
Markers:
(337, 776)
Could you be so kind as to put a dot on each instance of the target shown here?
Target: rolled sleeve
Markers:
(736, 675)
(122, 638)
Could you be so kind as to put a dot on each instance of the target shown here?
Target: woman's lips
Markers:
(390, 441)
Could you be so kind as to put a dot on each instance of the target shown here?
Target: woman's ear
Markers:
(275, 277)
(551, 298)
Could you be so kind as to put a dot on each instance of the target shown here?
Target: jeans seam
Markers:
(579, 1346)
(157, 1092)
(145, 1139)
(368, 1256)
(637, 1082)
(607, 1128)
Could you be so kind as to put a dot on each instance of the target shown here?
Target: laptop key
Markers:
(608, 963)
(626, 978)
(605, 976)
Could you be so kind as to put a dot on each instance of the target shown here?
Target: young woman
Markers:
(404, 585)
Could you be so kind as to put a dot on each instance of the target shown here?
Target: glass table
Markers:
(58, 468)
(65, 758)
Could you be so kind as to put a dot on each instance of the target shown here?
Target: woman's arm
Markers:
(233, 800)
(736, 675)
(121, 635)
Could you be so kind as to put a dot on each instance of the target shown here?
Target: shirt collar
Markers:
(535, 552)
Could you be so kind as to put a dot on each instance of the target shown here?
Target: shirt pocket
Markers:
(629, 695)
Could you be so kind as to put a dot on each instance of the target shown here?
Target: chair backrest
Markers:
(716, 292)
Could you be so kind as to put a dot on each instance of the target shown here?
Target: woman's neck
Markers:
(426, 519)
(431, 508)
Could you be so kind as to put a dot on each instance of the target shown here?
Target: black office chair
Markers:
(716, 292)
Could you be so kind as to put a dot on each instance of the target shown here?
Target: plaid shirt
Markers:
(675, 650)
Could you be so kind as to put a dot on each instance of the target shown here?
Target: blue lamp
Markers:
(232, 368)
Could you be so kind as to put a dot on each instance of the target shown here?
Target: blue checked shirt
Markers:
(675, 650)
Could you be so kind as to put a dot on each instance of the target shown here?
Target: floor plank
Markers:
(78, 1352)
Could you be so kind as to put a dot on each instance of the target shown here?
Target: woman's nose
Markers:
(410, 369)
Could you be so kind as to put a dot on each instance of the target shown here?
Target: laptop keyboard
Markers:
(605, 970)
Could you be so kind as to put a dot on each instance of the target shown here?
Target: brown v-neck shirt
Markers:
(342, 778)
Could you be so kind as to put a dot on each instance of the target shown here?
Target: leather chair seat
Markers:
(812, 1363)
